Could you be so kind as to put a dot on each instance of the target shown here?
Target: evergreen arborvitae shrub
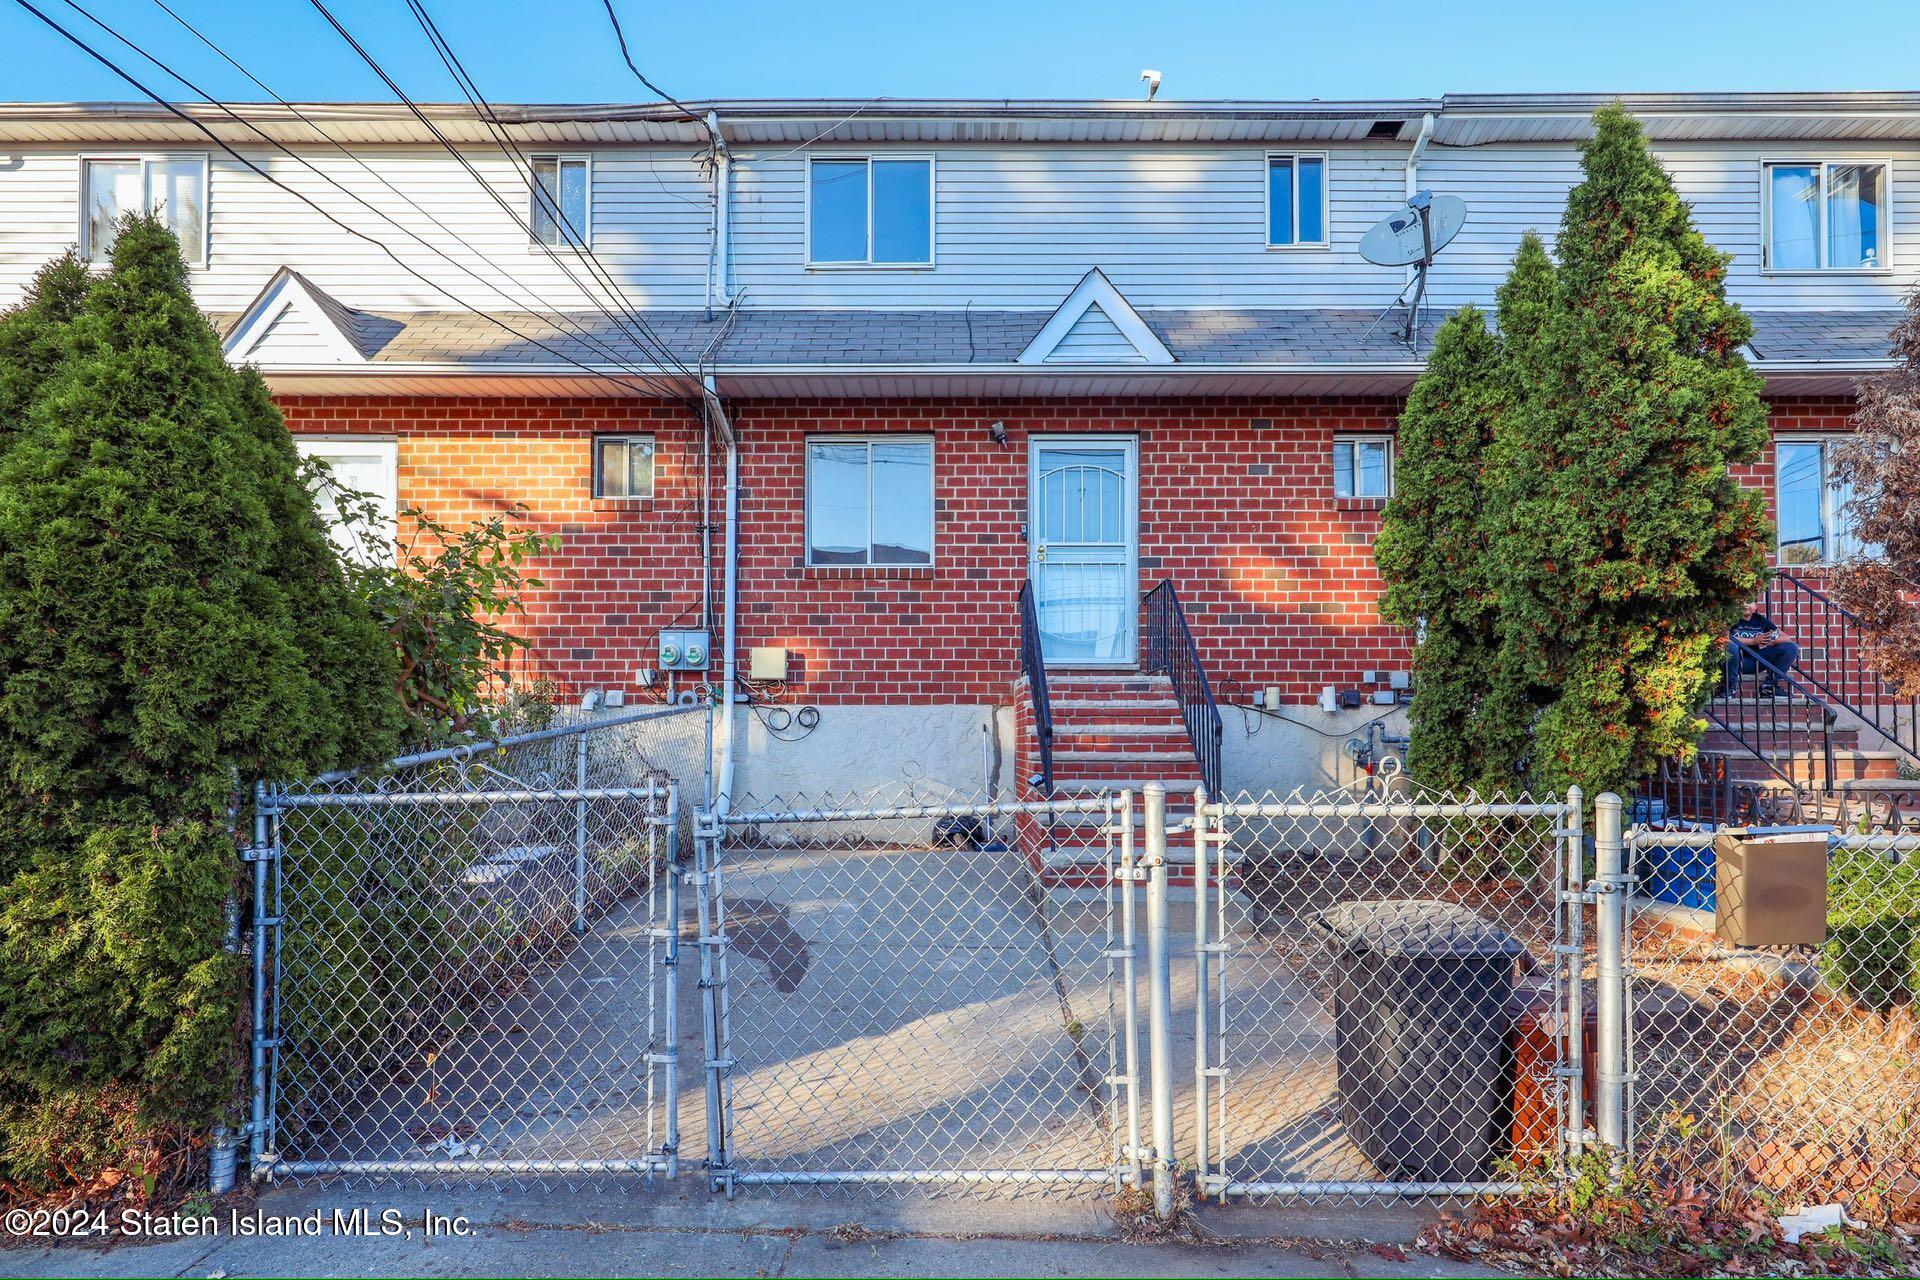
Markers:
(1432, 549)
(173, 621)
(1629, 544)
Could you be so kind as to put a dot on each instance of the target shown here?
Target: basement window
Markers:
(562, 208)
(870, 500)
(623, 466)
(1363, 467)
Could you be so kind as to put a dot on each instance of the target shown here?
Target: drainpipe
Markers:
(730, 610)
(1413, 163)
(722, 216)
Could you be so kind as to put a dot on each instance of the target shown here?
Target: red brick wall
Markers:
(1277, 577)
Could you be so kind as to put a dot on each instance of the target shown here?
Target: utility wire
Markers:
(656, 90)
(585, 335)
(357, 234)
(625, 325)
(548, 201)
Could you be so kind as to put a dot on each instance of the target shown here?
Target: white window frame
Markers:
(1830, 500)
(560, 159)
(933, 211)
(145, 159)
(1326, 200)
(1884, 163)
(870, 439)
(387, 448)
(595, 481)
(1356, 440)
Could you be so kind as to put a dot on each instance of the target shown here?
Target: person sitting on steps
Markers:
(1759, 646)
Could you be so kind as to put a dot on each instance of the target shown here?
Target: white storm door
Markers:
(1083, 523)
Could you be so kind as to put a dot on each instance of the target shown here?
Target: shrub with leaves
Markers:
(445, 595)
(173, 620)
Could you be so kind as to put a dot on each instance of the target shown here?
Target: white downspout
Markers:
(722, 215)
(1413, 163)
(730, 613)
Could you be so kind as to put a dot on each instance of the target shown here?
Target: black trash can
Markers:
(1423, 1036)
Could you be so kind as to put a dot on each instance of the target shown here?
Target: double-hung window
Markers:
(1363, 467)
(561, 194)
(1296, 201)
(1816, 526)
(172, 187)
(1827, 215)
(870, 500)
(623, 466)
(872, 211)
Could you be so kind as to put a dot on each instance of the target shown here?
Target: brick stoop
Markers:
(1110, 730)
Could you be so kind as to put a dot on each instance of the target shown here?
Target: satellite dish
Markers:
(1398, 240)
(1410, 237)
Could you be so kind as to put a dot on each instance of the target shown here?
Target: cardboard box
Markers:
(1771, 886)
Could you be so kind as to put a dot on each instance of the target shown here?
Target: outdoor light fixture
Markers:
(998, 434)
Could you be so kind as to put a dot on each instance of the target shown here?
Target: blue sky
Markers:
(562, 50)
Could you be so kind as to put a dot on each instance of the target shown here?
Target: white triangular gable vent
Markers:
(1096, 325)
(291, 325)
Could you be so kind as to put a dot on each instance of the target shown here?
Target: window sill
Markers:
(869, 266)
(1826, 271)
(1320, 246)
(868, 570)
(1359, 504)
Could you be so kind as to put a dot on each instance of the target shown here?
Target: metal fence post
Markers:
(670, 961)
(1573, 879)
(580, 840)
(1203, 987)
(257, 1122)
(1610, 930)
(1159, 1000)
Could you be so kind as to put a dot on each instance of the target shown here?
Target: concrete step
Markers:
(1790, 738)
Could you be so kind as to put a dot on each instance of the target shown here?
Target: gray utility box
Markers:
(1770, 886)
(1423, 1036)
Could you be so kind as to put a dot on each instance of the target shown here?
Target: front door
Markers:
(1082, 535)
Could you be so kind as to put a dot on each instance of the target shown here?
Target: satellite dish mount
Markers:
(1412, 237)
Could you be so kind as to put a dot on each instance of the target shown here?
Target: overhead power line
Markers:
(174, 110)
(631, 324)
(585, 335)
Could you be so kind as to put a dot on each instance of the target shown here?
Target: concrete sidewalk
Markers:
(672, 1233)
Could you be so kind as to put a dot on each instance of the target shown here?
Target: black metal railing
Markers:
(1707, 789)
(1167, 647)
(1034, 666)
(1833, 658)
(1777, 717)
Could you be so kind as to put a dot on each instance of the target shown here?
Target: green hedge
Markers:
(1873, 928)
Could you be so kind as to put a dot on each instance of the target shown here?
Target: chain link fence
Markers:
(1794, 1071)
(466, 958)
(903, 993)
(1385, 1009)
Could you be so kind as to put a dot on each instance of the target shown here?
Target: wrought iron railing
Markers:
(1168, 647)
(1833, 658)
(1034, 666)
(1793, 726)
(1707, 789)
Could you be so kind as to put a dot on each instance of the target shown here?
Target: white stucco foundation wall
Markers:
(1299, 747)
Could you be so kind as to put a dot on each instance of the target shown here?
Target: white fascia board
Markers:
(1094, 288)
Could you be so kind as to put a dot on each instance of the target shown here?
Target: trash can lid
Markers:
(1419, 927)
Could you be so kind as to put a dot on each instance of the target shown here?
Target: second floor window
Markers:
(560, 194)
(1825, 216)
(1815, 525)
(870, 500)
(870, 211)
(1363, 467)
(1296, 201)
(172, 187)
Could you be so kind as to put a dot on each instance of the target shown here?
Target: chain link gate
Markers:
(1359, 1028)
(461, 972)
(915, 994)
